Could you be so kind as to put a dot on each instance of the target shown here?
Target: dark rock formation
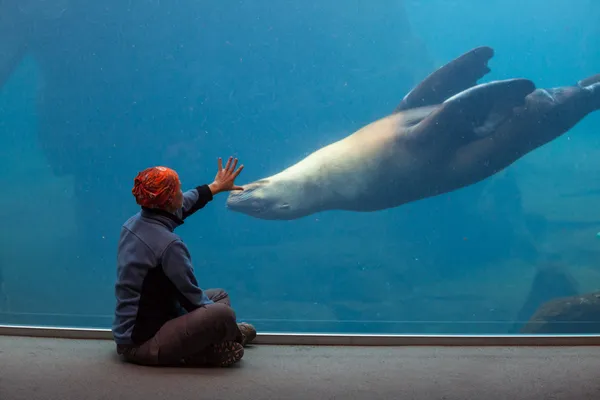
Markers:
(567, 315)
(551, 281)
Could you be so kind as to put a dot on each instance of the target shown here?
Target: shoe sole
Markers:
(232, 351)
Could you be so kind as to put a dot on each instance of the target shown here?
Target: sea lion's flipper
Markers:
(592, 80)
(459, 74)
(461, 118)
(592, 85)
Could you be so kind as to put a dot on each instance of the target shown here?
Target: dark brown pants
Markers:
(188, 335)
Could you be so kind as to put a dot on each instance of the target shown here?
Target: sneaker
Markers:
(224, 354)
(248, 333)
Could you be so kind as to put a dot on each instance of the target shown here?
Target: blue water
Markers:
(108, 88)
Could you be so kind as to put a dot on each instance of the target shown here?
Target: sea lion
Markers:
(442, 145)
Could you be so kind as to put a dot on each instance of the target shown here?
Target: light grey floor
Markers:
(33, 368)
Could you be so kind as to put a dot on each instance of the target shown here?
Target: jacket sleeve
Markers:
(195, 199)
(177, 266)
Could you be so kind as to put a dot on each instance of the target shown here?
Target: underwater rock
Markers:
(550, 282)
(571, 315)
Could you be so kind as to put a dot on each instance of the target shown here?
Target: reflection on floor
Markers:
(49, 369)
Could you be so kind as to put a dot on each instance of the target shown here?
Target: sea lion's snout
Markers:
(250, 200)
(263, 199)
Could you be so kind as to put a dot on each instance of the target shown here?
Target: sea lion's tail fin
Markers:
(463, 113)
(459, 74)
